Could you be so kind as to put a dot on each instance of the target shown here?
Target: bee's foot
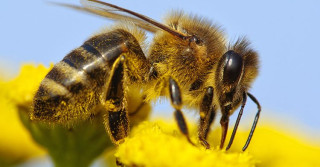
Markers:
(205, 143)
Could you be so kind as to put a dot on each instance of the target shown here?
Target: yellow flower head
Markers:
(161, 144)
(16, 144)
(149, 144)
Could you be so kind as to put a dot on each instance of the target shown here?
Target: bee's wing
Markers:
(110, 13)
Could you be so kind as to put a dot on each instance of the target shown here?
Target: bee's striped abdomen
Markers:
(79, 79)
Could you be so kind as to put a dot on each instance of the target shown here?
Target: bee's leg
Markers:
(256, 118)
(175, 96)
(206, 119)
(124, 57)
(244, 100)
(224, 122)
(116, 119)
(207, 115)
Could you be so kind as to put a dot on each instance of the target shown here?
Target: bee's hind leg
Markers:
(125, 59)
(176, 102)
(116, 119)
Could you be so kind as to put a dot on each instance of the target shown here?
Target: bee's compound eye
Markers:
(232, 67)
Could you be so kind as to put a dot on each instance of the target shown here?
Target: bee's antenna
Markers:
(254, 122)
(145, 18)
(244, 100)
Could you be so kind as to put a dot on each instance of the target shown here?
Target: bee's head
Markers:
(236, 70)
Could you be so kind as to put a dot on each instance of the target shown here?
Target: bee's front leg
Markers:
(244, 100)
(207, 115)
(224, 122)
(176, 102)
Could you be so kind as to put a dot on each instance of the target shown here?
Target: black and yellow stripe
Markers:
(85, 69)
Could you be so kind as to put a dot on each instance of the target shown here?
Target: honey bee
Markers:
(187, 61)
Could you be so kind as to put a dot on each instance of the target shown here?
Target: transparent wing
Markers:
(108, 12)
(115, 12)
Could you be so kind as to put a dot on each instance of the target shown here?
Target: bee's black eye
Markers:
(233, 67)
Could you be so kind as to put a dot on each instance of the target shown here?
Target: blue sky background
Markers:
(285, 33)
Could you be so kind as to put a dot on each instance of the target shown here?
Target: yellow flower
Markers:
(155, 143)
(161, 144)
(276, 147)
(16, 144)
